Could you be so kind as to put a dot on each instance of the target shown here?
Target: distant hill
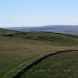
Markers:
(70, 29)
(54, 38)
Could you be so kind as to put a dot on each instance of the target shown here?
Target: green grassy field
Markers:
(63, 65)
(18, 49)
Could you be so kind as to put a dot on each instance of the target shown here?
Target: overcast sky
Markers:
(38, 12)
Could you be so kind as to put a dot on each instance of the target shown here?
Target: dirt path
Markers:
(41, 59)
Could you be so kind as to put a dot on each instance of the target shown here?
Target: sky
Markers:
(38, 12)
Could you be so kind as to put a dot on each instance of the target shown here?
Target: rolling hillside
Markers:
(54, 38)
(70, 29)
(18, 49)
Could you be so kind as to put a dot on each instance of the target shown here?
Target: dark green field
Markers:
(63, 65)
(18, 49)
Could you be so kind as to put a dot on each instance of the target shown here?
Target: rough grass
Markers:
(17, 49)
(54, 38)
(64, 65)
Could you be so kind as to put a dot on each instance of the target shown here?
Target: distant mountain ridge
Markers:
(70, 29)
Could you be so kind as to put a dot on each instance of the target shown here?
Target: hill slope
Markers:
(21, 48)
(70, 29)
(55, 38)
(64, 65)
